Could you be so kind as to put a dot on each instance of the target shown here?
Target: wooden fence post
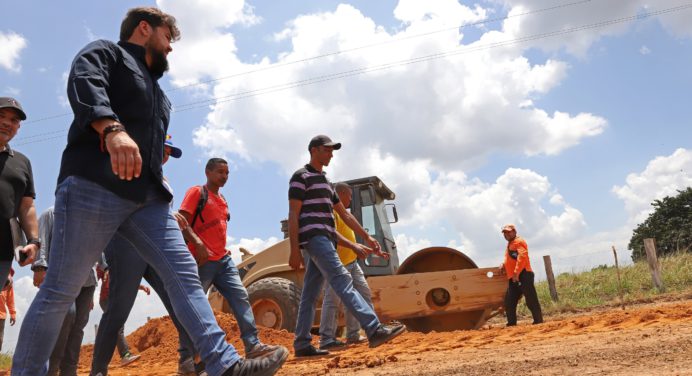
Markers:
(551, 278)
(617, 268)
(654, 266)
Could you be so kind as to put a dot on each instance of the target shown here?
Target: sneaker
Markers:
(264, 366)
(385, 333)
(260, 350)
(310, 351)
(333, 345)
(127, 359)
(359, 339)
(186, 368)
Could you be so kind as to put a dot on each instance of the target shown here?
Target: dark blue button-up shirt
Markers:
(109, 80)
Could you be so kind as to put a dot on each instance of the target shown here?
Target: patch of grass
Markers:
(599, 286)
(5, 361)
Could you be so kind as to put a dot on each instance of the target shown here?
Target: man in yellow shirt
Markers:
(349, 252)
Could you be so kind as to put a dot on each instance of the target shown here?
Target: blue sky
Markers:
(570, 137)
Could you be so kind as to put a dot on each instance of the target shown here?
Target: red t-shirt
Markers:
(212, 231)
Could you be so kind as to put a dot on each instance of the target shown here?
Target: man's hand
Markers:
(515, 277)
(502, 269)
(361, 250)
(295, 260)
(372, 243)
(145, 289)
(383, 254)
(39, 276)
(182, 222)
(31, 250)
(201, 254)
(126, 162)
(13, 320)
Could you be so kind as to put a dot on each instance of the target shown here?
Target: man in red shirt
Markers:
(206, 239)
(517, 267)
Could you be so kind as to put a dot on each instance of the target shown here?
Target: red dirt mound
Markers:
(646, 339)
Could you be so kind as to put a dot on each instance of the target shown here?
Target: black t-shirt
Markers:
(16, 182)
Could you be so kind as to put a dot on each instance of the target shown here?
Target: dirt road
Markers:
(644, 340)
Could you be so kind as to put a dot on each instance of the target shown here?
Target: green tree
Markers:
(670, 224)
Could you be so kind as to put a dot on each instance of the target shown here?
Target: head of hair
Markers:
(342, 188)
(211, 164)
(151, 15)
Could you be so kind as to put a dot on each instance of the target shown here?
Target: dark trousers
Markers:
(65, 356)
(2, 331)
(526, 288)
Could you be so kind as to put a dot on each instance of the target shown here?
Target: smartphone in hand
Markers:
(19, 255)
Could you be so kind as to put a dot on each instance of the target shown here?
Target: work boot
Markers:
(260, 350)
(310, 351)
(335, 344)
(356, 340)
(264, 366)
(385, 333)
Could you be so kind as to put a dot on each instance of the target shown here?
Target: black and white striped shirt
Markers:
(318, 196)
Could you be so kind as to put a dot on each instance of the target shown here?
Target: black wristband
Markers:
(115, 127)
(34, 241)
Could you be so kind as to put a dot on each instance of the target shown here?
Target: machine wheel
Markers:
(275, 302)
(436, 259)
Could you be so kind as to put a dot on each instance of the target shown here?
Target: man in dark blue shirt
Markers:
(111, 182)
(312, 202)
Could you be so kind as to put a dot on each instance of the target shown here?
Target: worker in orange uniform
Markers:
(7, 304)
(517, 267)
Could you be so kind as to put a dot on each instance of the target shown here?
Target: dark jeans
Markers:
(126, 269)
(2, 331)
(120, 341)
(514, 292)
(65, 355)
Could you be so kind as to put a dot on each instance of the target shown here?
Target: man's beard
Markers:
(159, 63)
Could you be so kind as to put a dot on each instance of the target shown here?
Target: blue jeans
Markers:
(224, 275)
(324, 264)
(330, 307)
(86, 218)
(65, 354)
(126, 270)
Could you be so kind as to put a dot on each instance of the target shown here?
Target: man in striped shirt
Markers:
(312, 201)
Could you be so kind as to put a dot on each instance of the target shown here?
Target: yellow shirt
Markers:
(346, 255)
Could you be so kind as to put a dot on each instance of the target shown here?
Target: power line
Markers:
(335, 53)
(364, 70)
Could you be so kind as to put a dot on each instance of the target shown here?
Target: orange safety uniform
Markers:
(7, 300)
(517, 257)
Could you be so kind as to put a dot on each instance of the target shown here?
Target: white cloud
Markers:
(456, 110)
(590, 13)
(12, 46)
(663, 176)
(644, 50)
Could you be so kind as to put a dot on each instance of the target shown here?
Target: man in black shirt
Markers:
(17, 192)
(111, 182)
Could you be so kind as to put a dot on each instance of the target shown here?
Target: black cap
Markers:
(322, 140)
(7, 102)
